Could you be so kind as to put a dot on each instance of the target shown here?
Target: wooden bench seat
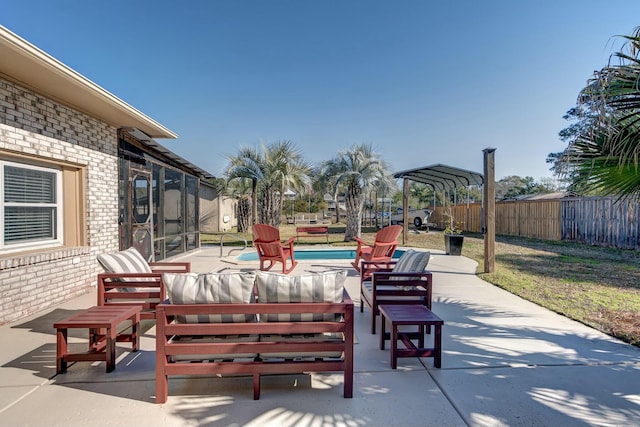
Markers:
(312, 231)
(281, 347)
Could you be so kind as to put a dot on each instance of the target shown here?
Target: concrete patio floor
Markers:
(505, 362)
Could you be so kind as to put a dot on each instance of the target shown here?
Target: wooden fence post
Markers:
(489, 209)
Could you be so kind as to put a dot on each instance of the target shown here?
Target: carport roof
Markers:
(442, 177)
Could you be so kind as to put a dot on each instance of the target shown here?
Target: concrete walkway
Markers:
(505, 362)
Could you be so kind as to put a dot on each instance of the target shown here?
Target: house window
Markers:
(31, 201)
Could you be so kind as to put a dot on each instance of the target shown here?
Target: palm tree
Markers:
(241, 189)
(283, 168)
(605, 157)
(247, 165)
(326, 181)
(421, 194)
(277, 167)
(355, 171)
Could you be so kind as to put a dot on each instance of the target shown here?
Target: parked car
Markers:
(417, 217)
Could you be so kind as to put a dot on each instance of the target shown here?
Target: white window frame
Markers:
(58, 205)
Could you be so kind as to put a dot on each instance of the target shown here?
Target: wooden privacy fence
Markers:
(601, 221)
(592, 220)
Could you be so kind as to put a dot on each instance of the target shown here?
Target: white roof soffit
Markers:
(442, 177)
(27, 65)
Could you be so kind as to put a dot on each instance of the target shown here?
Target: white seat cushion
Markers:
(127, 261)
(367, 290)
(211, 288)
(412, 262)
(318, 287)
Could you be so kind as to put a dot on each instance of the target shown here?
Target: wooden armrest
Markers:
(115, 276)
(378, 265)
(361, 242)
(379, 274)
(408, 279)
(346, 298)
(369, 267)
(170, 267)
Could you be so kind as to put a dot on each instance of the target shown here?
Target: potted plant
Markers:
(453, 237)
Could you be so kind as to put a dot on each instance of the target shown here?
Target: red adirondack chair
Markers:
(382, 249)
(266, 239)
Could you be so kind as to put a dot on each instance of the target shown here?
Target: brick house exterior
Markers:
(42, 125)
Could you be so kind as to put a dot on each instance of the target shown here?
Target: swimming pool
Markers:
(317, 254)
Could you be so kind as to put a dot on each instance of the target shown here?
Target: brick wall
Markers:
(33, 125)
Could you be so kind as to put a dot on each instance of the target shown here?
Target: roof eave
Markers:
(27, 65)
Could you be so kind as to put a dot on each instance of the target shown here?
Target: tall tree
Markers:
(241, 190)
(326, 180)
(581, 121)
(283, 168)
(246, 165)
(578, 120)
(278, 166)
(355, 170)
(606, 155)
(513, 186)
(420, 195)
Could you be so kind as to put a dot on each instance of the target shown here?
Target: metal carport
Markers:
(442, 177)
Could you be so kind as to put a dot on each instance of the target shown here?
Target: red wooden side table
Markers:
(102, 346)
(413, 315)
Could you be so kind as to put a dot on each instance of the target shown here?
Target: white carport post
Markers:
(405, 210)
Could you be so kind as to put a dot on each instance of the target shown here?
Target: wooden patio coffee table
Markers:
(412, 315)
(102, 346)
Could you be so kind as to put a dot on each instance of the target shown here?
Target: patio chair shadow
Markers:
(286, 400)
(481, 336)
(491, 351)
(41, 361)
(44, 324)
(135, 379)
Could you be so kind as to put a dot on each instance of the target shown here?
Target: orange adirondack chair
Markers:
(266, 239)
(382, 249)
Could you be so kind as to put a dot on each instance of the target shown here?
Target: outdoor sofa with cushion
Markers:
(404, 281)
(254, 323)
(130, 280)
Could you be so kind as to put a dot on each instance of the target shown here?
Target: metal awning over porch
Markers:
(442, 177)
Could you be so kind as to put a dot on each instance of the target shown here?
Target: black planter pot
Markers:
(453, 244)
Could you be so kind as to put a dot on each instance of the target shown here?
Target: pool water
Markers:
(310, 254)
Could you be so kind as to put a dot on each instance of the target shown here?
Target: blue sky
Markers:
(423, 82)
